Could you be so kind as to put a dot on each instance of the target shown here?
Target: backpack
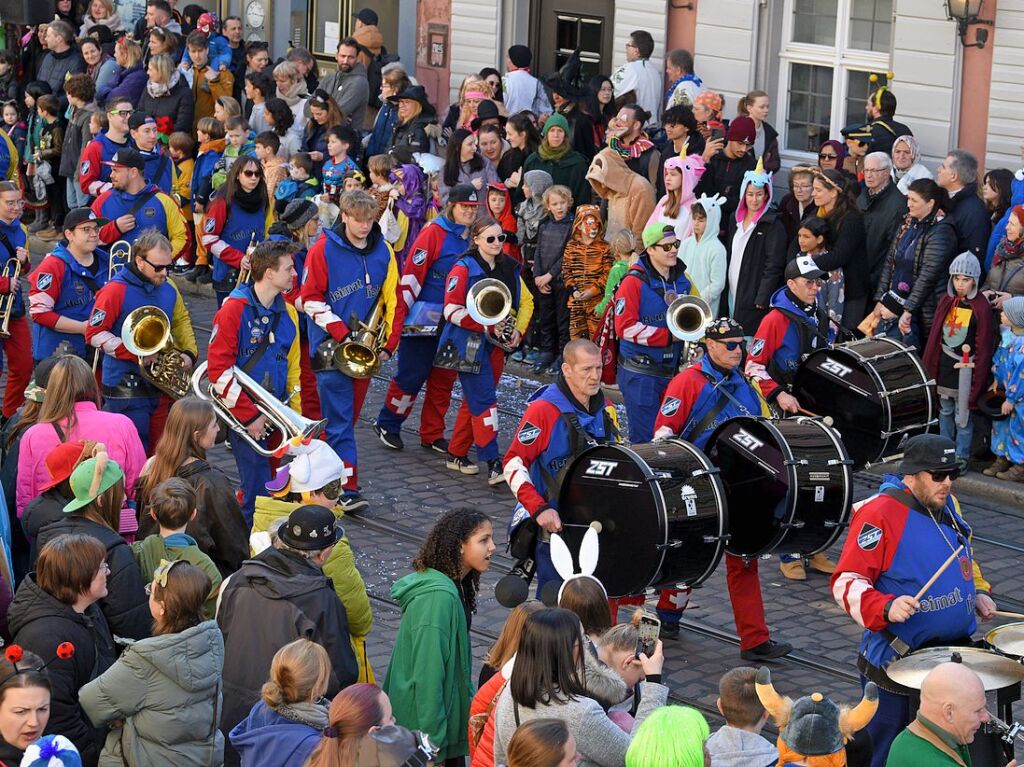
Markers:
(374, 74)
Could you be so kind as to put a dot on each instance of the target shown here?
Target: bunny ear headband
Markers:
(561, 558)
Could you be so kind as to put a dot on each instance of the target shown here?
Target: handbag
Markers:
(389, 225)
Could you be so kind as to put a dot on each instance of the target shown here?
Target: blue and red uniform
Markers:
(17, 346)
(62, 287)
(341, 286)
(124, 389)
(649, 356)
(421, 302)
(555, 428)
(157, 211)
(241, 327)
(93, 175)
(894, 546)
(790, 330)
(159, 170)
(226, 232)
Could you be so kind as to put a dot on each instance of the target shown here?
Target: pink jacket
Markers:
(114, 430)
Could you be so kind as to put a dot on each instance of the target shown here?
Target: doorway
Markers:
(562, 26)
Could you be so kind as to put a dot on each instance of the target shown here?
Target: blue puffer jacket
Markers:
(126, 83)
(267, 738)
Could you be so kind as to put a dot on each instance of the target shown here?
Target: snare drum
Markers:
(788, 484)
(662, 511)
(877, 392)
(1007, 639)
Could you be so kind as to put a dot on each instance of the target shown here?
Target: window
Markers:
(830, 48)
(572, 32)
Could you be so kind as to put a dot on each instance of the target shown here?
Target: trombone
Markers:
(120, 257)
(245, 275)
(12, 270)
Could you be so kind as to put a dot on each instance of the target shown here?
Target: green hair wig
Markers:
(672, 736)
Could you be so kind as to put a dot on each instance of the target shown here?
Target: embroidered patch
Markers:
(419, 256)
(86, 164)
(97, 318)
(620, 305)
(757, 347)
(44, 281)
(209, 225)
(528, 434)
(869, 537)
(149, 212)
(670, 406)
(452, 283)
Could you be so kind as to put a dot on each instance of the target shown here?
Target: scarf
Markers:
(548, 154)
(1008, 251)
(156, 90)
(312, 714)
(684, 79)
(915, 155)
(250, 202)
(634, 150)
(295, 94)
(94, 71)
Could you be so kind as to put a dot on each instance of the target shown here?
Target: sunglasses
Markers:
(733, 345)
(157, 267)
(674, 245)
(252, 173)
(493, 239)
(942, 476)
(824, 156)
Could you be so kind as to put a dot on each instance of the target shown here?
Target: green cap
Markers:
(555, 121)
(83, 480)
(656, 232)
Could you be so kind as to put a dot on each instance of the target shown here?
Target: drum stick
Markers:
(827, 420)
(1004, 614)
(940, 571)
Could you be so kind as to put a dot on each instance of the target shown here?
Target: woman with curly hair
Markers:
(429, 679)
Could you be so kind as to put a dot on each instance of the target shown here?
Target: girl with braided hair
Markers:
(429, 678)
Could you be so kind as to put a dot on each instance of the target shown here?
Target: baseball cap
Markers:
(804, 266)
(742, 129)
(126, 158)
(78, 216)
(466, 194)
(657, 232)
(91, 478)
(138, 119)
(311, 528)
(63, 459)
(929, 452)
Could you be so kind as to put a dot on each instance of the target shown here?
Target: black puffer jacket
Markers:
(126, 606)
(413, 135)
(764, 260)
(39, 622)
(47, 508)
(934, 251)
(178, 104)
(883, 213)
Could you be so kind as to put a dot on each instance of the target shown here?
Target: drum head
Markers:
(1008, 639)
(996, 671)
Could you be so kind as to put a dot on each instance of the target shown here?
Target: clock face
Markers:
(254, 13)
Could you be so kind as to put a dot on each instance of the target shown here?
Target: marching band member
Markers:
(351, 273)
(143, 282)
(796, 325)
(257, 331)
(648, 354)
(64, 285)
(465, 345)
(93, 172)
(160, 170)
(432, 255)
(898, 539)
(697, 401)
(239, 213)
(132, 205)
(17, 345)
(300, 225)
(562, 420)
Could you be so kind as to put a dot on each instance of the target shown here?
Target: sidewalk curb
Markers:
(1008, 495)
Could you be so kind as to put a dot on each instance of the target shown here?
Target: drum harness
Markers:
(718, 407)
(900, 647)
(808, 341)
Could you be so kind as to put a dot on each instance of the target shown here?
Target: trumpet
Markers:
(120, 257)
(489, 302)
(147, 331)
(12, 270)
(359, 357)
(687, 319)
(245, 275)
(281, 418)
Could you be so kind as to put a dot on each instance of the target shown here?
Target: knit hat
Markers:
(742, 129)
(368, 16)
(967, 265)
(315, 466)
(51, 751)
(539, 181)
(555, 121)
(62, 460)
(1014, 310)
(1017, 211)
(656, 232)
(91, 478)
(520, 56)
(298, 213)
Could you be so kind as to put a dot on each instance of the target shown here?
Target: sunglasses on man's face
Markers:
(490, 240)
(674, 245)
(156, 267)
(942, 476)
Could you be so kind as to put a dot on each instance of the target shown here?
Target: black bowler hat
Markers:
(487, 110)
(928, 452)
(311, 528)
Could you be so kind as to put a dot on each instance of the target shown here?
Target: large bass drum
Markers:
(788, 484)
(877, 392)
(662, 512)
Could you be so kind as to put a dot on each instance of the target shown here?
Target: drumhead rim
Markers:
(847, 484)
(872, 372)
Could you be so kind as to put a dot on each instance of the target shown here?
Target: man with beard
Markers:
(349, 86)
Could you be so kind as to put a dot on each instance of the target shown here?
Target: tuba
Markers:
(687, 318)
(120, 257)
(12, 270)
(146, 331)
(245, 275)
(281, 418)
(489, 302)
(359, 357)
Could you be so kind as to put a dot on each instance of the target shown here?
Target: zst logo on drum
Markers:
(835, 368)
(747, 440)
(600, 468)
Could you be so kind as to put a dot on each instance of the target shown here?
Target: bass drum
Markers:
(788, 484)
(662, 512)
(877, 392)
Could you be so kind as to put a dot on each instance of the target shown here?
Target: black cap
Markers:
(77, 216)
(138, 119)
(858, 131)
(487, 110)
(804, 266)
(127, 158)
(724, 327)
(928, 452)
(311, 528)
(465, 194)
(368, 16)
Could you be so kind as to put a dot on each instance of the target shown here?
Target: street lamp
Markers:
(965, 13)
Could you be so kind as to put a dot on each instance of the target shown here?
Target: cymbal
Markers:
(1008, 638)
(996, 671)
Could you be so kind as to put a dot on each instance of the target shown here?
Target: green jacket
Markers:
(429, 678)
(340, 567)
(149, 551)
(911, 750)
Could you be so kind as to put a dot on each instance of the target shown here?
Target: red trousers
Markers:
(18, 353)
(307, 381)
(462, 433)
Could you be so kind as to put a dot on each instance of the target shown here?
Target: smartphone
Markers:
(647, 638)
(717, 130)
